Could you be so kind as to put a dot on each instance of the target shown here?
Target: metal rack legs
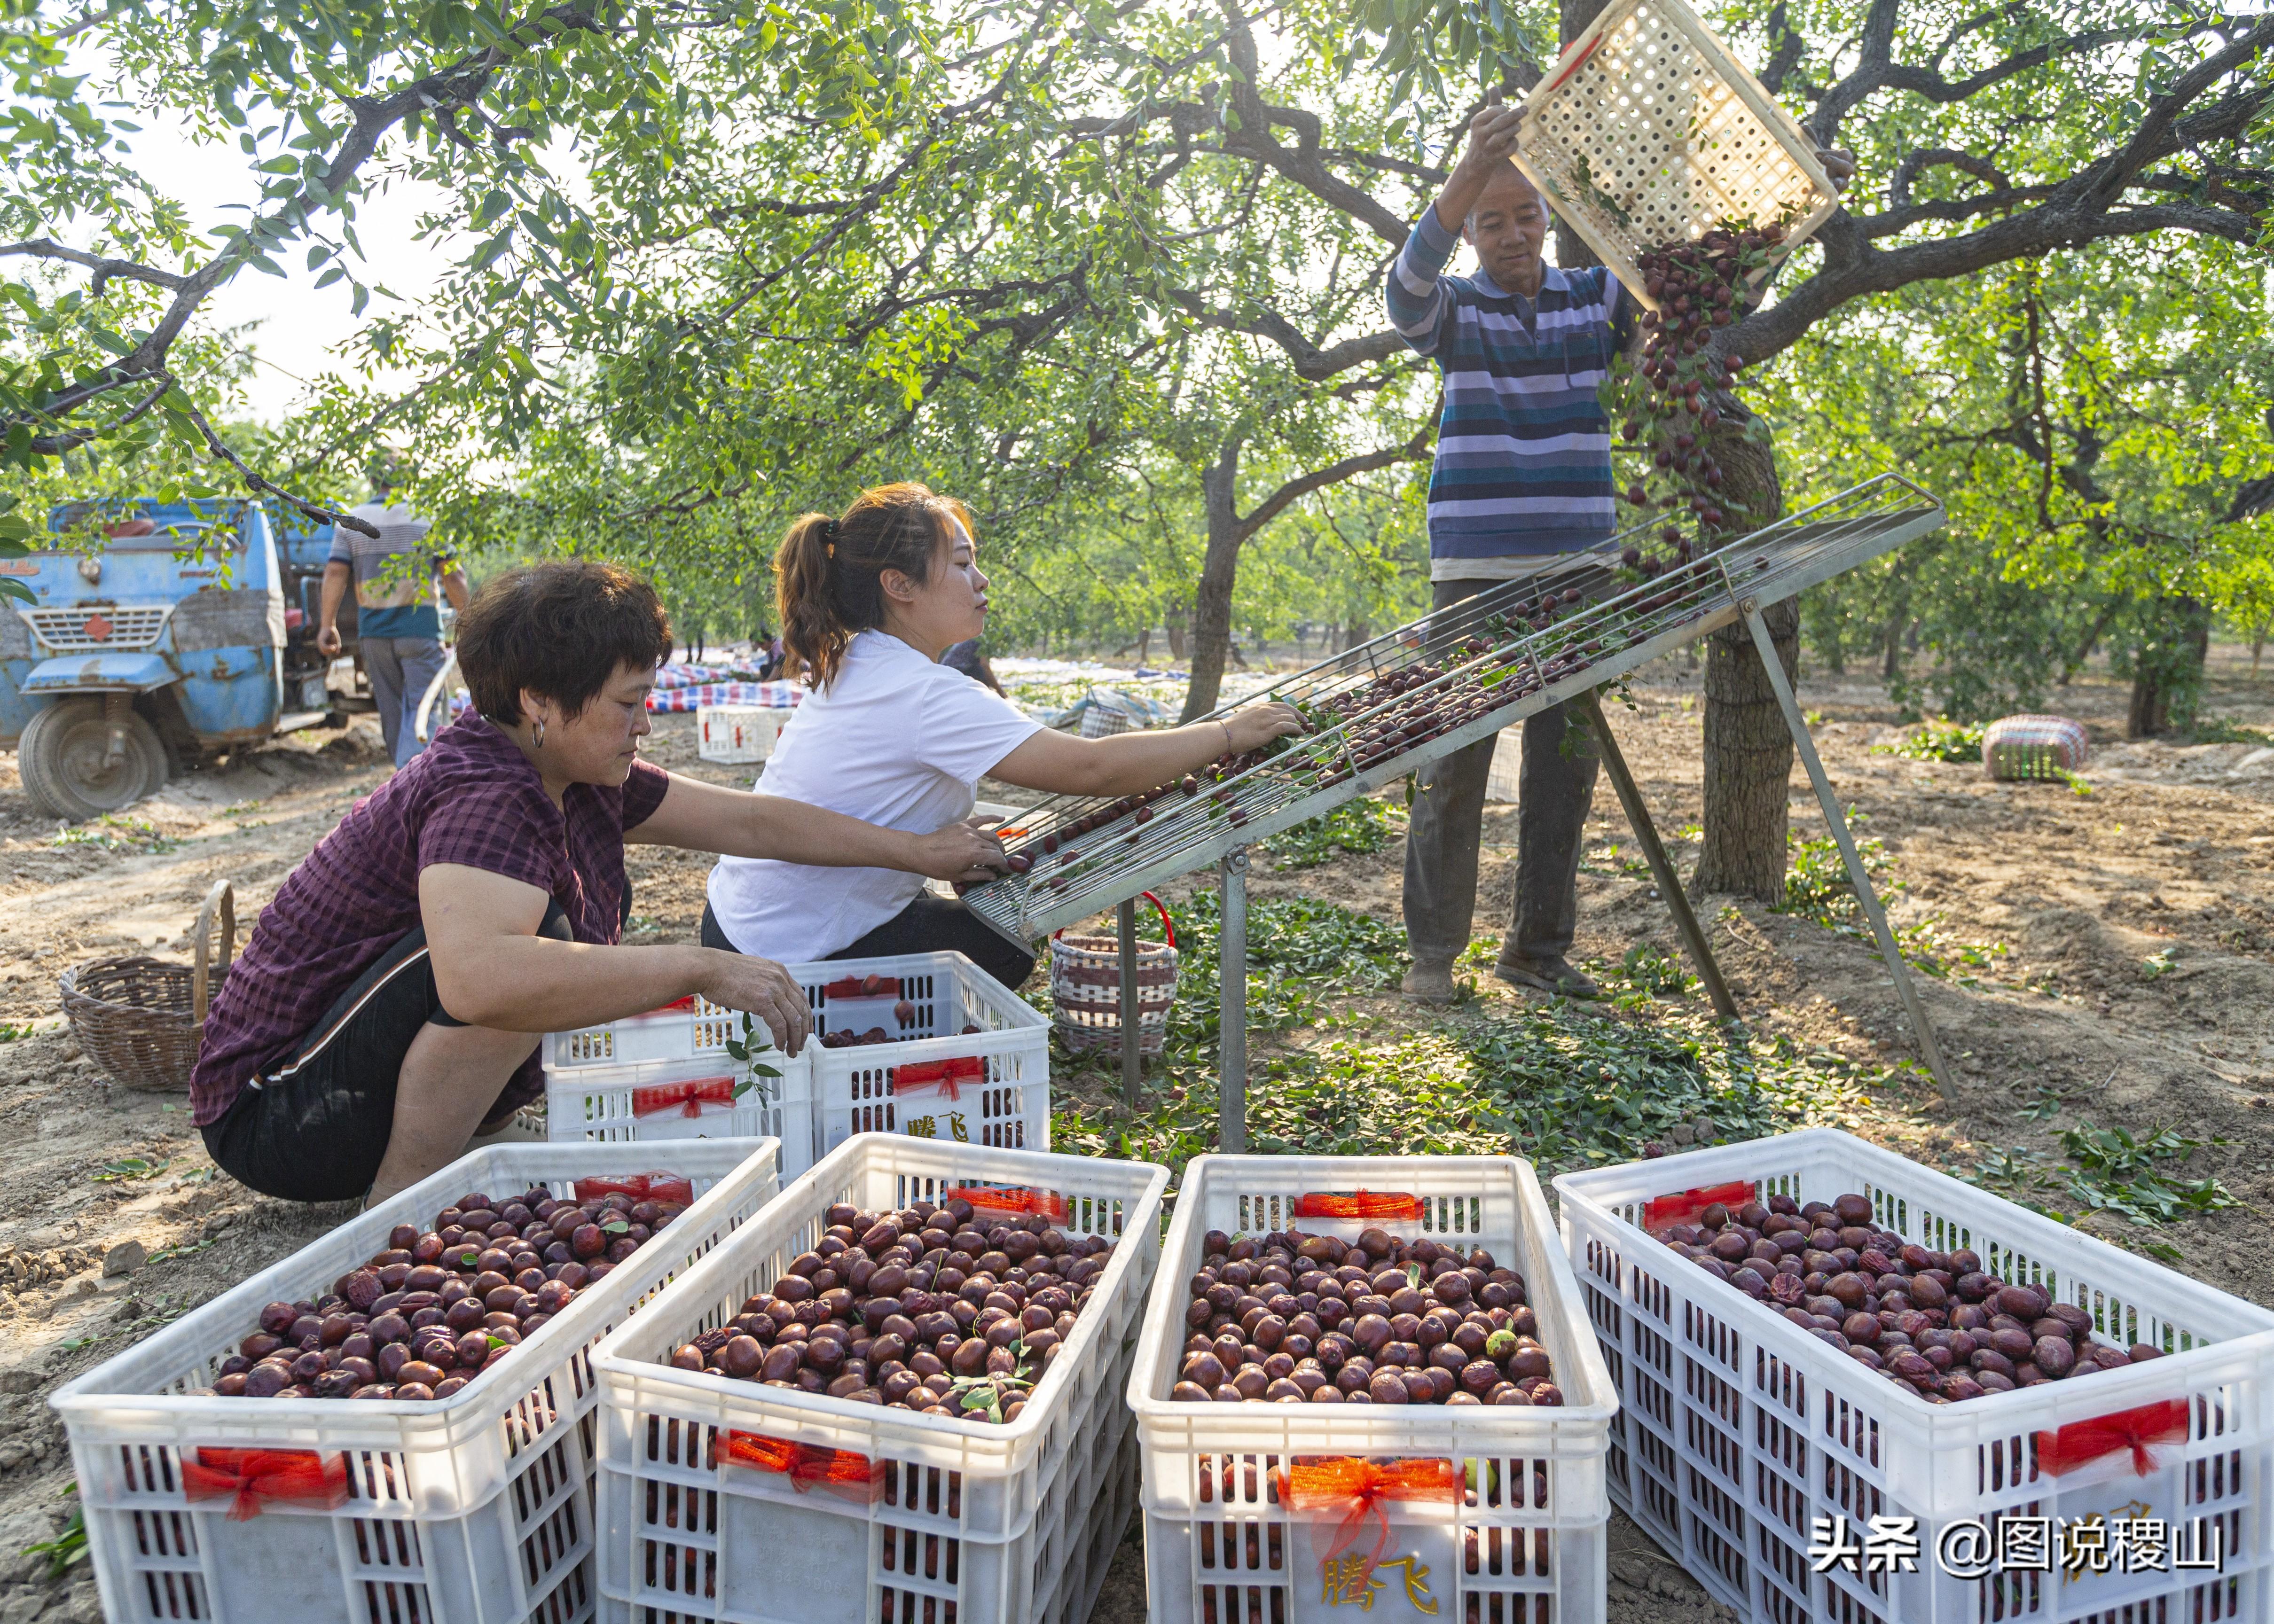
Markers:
(1232, 1010)
(1132, 1060)
(1921, 1029)
(1231, 1122)
(1661, 871)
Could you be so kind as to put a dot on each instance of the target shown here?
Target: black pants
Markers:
(928, 925)
(1555, 788)
(317, 1128)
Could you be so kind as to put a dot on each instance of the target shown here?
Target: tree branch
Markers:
(2151, 141)
(56, 445)
(316, 511)
(1311, 363)
(104, 269)
(2029, 235)
(1302, 165)
(1334, 473)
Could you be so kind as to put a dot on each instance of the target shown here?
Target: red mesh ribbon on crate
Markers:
(688, 1002)
(840, 1472)
(1043, 1203)
(1338, 1494)
(853, 986)
(254, 1479)
(2138, 1430)
(683, 1099)
(1362, 1204)
(639, 1186)
(1684, 1206)
(947, 1075)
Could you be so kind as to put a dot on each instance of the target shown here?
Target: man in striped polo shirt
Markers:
(1523, 478)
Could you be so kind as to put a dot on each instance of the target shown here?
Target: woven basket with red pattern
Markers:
(1086, 987)
(2033, 747)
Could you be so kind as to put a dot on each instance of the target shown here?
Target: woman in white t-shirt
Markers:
(868, 603)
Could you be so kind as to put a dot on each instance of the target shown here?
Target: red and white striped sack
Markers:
(2033, 747)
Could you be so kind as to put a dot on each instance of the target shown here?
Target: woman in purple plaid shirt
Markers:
(386, 1013)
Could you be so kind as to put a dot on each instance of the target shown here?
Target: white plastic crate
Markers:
(691, 1029)
(1741, 1431)
(737, 733)
(1648, 133)
(474, 1510)
(1505, 776)
(668, 1101)
(988, 1087)
(977, 1523)
(1526, 1546)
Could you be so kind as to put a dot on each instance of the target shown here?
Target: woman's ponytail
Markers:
(828, 576)
(813, 637)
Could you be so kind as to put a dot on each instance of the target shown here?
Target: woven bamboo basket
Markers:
(141, 1019)
(1648, 133)
(1085, 990)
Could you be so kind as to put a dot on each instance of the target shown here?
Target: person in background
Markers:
(395, 620)
(889, 735)
(1521, 483)
(965, 658)
(386, 1013)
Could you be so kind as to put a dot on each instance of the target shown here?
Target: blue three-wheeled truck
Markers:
(162, 636)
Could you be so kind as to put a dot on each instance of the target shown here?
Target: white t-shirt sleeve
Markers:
(967, 729)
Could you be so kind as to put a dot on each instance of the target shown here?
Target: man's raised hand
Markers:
(1493, 136)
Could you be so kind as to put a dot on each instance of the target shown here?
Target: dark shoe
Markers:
(1546, 976)
(1428, 983)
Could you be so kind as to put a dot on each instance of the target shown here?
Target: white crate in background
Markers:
(738, 733)
(1647, 132)
(1505, 777)
(987, 1088)
(1741, 1431)
(1007, 1524)
(474, 1510)
(1526, 1546)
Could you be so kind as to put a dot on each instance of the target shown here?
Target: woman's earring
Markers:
(537, 739)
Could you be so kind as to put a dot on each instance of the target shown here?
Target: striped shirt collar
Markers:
(1551, 278)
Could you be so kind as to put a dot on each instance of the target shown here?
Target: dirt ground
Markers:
(2137, 920)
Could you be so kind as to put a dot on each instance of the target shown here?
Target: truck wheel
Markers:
(64, 758)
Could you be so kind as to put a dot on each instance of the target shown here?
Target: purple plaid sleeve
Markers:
(643, 793)
(518, 836)
(470, 798)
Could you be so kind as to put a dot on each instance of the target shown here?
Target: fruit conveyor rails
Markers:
(1390, 706)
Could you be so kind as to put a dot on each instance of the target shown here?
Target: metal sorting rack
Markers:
(1464, 667)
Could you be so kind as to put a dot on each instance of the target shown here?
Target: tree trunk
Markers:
(1748, 757)
(1831, 639)
(1892, 667)
(1212, 600)
(2167, 671)
(2257, 648)
(1174, 622)
(2088, 643)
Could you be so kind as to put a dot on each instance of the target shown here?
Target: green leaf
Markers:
(491, 252)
